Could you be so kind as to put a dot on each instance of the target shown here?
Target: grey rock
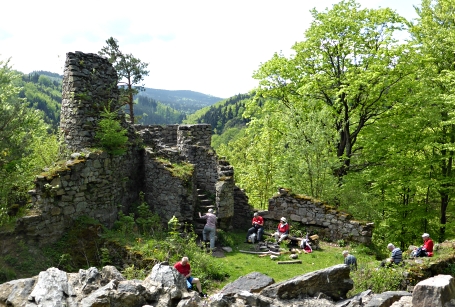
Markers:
(51, 289)
(435, 291)
(16, 292)
(333, 282)
(387, 298)
(253, 282)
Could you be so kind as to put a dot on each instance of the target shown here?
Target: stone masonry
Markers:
(318, 217)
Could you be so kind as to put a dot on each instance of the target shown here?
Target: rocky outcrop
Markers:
(165, 287)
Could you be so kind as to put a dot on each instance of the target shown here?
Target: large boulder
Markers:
(16, 292)
(52, 288)
(253, 282)
(435, 291)
(333, 282)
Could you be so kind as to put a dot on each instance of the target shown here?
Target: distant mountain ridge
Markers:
(159, 106)
(185, 101)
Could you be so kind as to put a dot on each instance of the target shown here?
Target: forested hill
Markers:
(182, 100)
(43, 91)
(223, 115)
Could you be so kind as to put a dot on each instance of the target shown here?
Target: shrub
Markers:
(110, 135)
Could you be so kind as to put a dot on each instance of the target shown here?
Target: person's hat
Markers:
(425, 235)
(255, 214)
(283, 219)
(210, 210)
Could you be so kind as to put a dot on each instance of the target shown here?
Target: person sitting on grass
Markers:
(184, 268)
(426, 250)
(282, 231)
(396, 256)
(305, 245)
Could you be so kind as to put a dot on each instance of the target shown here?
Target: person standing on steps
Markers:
(258, 227)
(209, 231)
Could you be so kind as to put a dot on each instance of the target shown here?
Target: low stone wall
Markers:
(318, 217)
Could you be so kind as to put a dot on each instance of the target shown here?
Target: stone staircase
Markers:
(203, 204)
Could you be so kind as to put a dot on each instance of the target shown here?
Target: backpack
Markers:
(252, 238)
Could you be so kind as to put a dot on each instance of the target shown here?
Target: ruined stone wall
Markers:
(193, 142)
(94, 185)
(318, 217)
(166, 193)
(158, 135)
(243, 211)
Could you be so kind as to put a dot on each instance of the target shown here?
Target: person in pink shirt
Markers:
(209, 231)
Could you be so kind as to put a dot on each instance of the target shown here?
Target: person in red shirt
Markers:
(427, 245)
(258, 227)
(282, 231)
(426, 250)
(184, 268)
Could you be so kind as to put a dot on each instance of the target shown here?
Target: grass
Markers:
(240, 264)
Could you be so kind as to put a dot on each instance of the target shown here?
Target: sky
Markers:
(212, 47)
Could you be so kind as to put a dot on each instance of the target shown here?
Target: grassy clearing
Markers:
(329, 254)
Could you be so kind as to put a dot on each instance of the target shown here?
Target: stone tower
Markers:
(89, 86)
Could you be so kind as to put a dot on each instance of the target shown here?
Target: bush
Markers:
(111, 136)
(379, 279)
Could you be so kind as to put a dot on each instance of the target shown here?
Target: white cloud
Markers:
(206, 46)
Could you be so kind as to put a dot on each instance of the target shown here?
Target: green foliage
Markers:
(378, 279)
(225, 238)
(181, 170)
(147, 221)
(131, 272)
(125, 223)
(111, 135)
(25, 144)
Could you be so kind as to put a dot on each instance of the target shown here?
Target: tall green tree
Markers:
(434, 36)
(350, 64)
(131, 72)
(25, 144)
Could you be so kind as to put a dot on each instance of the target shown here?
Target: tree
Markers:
(131, 72)
(25, 144)
(350, 63)
(433, 35)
